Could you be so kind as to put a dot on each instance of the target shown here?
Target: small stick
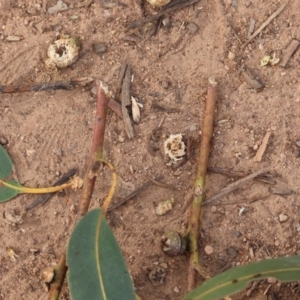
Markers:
(59, 275)
(262, 148)
(125, 99)
(116, 107)
(97, 145)
(233, 186)
(267, 22)
(288, 52)
(177, 93)
(133, 194)
(249, 78)
(199, 186)
(121, 78)
(152, 18)
(44, 198)
(46, 86)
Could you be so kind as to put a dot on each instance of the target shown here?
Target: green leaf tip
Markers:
(7, 193)
(96, 267)
(6, 163)
(234, 280)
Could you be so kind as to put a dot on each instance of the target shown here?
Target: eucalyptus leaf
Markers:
(236, 279)
(96, 267)
(6, 163)
(7, 193)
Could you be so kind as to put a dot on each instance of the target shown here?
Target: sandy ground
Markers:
(48, 133)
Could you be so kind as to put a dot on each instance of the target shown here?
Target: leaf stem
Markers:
(96, 151)
(27, 190)
(199, 186)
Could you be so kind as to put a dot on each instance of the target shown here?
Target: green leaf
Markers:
(97, 269)
(6, 163)
(234, 280)
(7, 193)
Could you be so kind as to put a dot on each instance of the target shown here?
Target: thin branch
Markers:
(199, 186)
(46, 86)
(267, 22)
(96, 151)
(59, 275)
(233, 186)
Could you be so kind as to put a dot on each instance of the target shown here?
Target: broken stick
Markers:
(233, 186)
(267, 22)
(199, 186)
(46, 86)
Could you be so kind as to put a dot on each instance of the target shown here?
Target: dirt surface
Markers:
(48, 133)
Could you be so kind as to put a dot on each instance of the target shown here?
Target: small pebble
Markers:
(231, 55)
(176, 289)
(57, 152)
(297, 153)
(166, 22)
(209, 250)
(298, 144)
(164, 265)
(276, 243)
(193, 128)
(3, 140)
(231, 253)
(283, 218)
(213, 209)
(236, 233)
(271, 280)
(100, 48)
(121, 139)
(165, 84)
(192, 28)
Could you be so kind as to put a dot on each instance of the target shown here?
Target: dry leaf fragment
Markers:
(261, 150)
(11, 253)
(136, 115)
(77, 183)
(13, 38)
(164, 206)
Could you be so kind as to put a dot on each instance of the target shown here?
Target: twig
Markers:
(288, 52)
(249, 78)
(44, 198)
(270, 19)
(97, 145)
(89, 180)
(199, 186)
(152, 18)
(59, 276)
(233, 186)
(125, 99)
(120, 79)
(133, 194)
(46, 86)
(262, 148)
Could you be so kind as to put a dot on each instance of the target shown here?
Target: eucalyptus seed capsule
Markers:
(173, 243)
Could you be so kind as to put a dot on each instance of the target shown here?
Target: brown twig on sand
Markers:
(267, 22)
(262, 148)
(233, 186)
(288, 52)
(46, 86)
(97, 145)
(89, 180)
(59, 275)
(151, 18)
(125, 99)
(249, 78)
(199, 186)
